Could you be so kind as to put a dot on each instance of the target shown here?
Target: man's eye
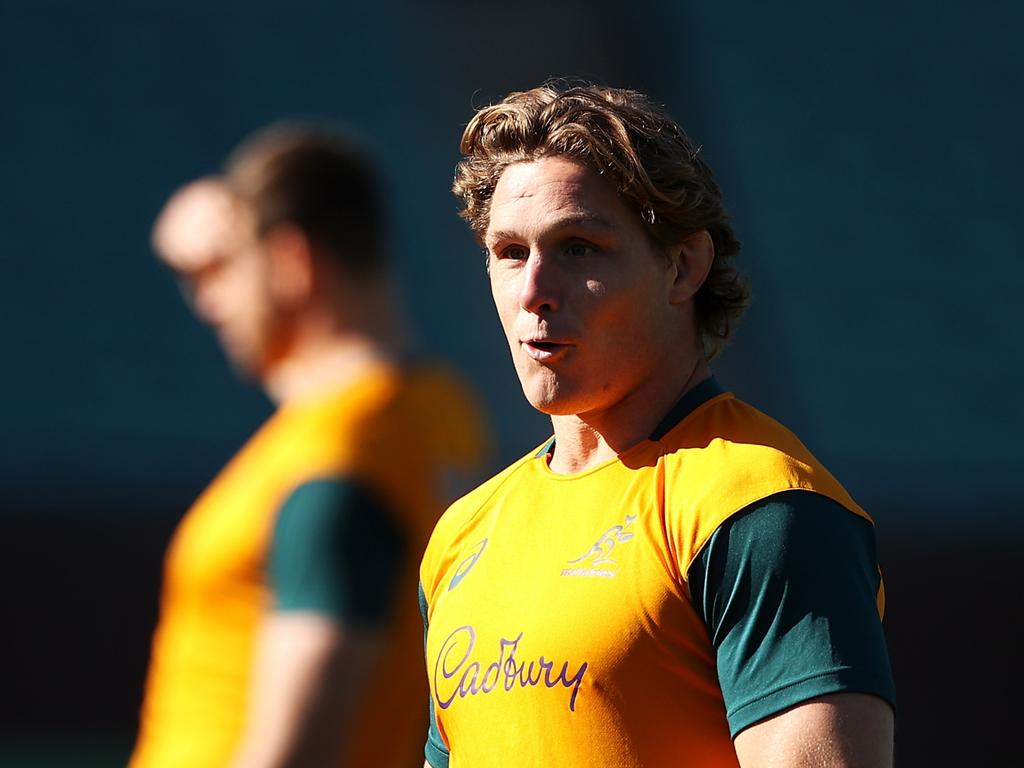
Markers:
(515, 252)
(579, 249)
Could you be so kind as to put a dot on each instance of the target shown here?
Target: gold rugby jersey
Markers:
(393, 431)
(560, 624)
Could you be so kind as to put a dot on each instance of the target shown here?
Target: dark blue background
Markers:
(870, 155)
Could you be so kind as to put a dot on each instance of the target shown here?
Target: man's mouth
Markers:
(544, 350)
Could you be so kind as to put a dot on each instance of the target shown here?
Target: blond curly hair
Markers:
(633, 142)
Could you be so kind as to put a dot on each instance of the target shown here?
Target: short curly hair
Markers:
(624, 135)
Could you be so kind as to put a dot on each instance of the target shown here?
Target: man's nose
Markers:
(541, 289)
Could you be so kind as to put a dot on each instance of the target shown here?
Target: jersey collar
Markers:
(687, 404)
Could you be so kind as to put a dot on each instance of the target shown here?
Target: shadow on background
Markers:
(953, 638)
(871, 159)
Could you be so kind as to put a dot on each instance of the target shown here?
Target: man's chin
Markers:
(245, 367)
(551, 403)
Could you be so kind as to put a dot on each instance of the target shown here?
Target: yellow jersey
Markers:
(394, 432)
(560, 626)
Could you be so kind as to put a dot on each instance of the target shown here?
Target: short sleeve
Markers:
(787, 589)
(337, 551)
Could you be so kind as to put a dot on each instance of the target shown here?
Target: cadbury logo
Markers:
(456, 677)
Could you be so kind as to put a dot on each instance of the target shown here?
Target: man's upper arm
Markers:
(337, 551)
(787, 589)
(841, 730)
(308, 677)
(333, 568)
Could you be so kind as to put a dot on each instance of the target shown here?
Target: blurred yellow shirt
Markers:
(396, 432)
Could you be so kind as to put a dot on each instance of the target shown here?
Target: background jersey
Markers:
(560, 625)
(391, 431)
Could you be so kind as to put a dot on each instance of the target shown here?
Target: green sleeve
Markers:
(787, 589)
(337, 551)
(435, 750)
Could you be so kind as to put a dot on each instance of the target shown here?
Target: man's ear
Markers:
(692, 259)
(290, 256)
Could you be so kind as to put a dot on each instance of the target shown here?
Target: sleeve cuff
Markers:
(436, 756)
(779, 700)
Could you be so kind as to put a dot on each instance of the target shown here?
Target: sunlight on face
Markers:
(207, 238)
(581, 291)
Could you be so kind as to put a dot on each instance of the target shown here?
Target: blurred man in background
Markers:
(672, 579)
(287, 633)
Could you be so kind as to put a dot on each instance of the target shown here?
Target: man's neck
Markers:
(585, 440)
(334, 339)
(324, 367)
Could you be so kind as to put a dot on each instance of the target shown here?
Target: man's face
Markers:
(582, 293)
(209, 242)
(231, 293)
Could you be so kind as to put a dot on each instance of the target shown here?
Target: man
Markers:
(280, 639)
(672, 579)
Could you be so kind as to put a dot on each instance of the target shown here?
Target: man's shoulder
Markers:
(464, 509)
(728, 455)
(457, 522)
(416, 414)
(727, 418)
(728, 440)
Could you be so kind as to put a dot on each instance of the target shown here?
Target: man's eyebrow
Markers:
(564, 222)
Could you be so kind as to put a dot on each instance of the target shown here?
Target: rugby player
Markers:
(671, 579)
(282, 638)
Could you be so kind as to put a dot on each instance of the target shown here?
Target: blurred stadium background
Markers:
(871, 155)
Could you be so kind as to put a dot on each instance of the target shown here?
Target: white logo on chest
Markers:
(595, 560)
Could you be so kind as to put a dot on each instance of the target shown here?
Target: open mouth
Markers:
(544, 350)
(547, 346)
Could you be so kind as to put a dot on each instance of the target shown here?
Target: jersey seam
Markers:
(680, 577)
(515, 470)
(700, 547)
(512, 471)
(676, 580)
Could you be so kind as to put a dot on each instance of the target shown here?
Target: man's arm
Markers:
(309, 675)
(841, 730)
(788, 591)
(335, 560)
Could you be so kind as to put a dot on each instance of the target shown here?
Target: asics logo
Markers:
(467, 564)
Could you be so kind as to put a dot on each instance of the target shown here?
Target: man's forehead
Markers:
(546, 174)
(201, 226)
(197, 262)
(582, 219)
(550, 193)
